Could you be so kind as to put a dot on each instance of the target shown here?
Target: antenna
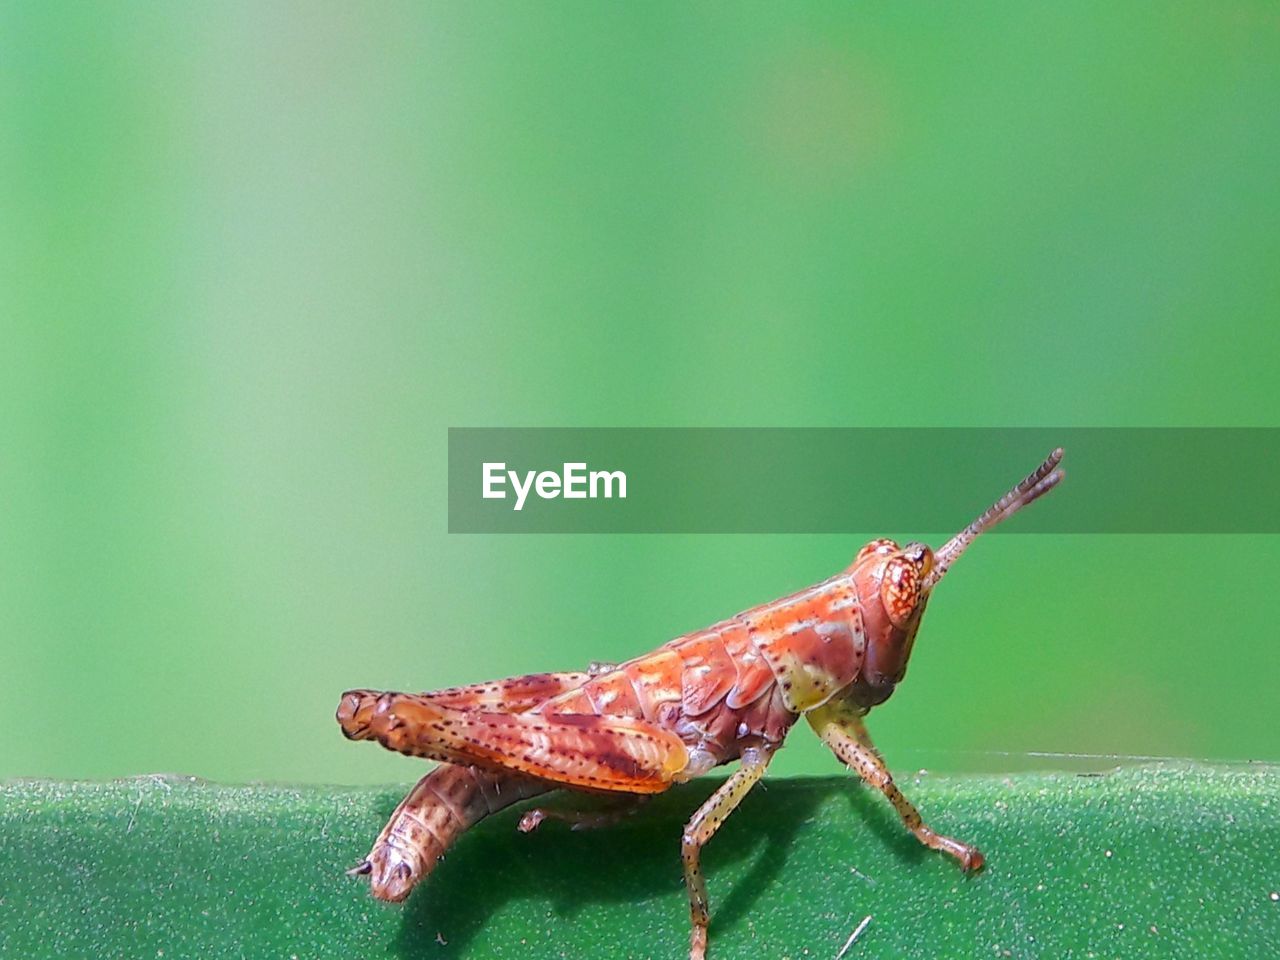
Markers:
(1037, 483)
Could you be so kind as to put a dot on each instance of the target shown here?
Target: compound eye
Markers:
(877, 548)
(900, 590)
(921, 556)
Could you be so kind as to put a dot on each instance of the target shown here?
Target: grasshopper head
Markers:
(894, 584)
(893, 588)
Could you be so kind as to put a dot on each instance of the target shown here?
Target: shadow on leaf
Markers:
(634, 862)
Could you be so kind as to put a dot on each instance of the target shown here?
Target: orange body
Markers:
(738, 683)
(730, 691)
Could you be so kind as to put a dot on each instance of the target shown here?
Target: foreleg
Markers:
(844, 732)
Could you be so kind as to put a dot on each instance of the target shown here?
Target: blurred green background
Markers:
(258, 257)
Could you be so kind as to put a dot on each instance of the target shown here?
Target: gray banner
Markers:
(856, 480)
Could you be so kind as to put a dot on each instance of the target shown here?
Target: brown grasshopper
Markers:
(728, 692)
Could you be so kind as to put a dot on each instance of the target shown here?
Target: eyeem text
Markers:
(573, 482)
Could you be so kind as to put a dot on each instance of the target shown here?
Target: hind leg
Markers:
(620, 809)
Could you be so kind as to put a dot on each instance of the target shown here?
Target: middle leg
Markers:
(702, 827)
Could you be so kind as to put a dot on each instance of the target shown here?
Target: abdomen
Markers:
(712, 688)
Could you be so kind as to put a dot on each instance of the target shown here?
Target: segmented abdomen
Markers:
(743, 680)
(442, 805)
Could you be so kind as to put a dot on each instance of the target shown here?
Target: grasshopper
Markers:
(729, 692)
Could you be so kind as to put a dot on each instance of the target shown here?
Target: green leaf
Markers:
(1171, 860)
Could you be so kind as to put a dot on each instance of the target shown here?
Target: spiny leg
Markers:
(702, 827)
(622, 807)
(590, 752)
(844, 732)
(510, 695)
